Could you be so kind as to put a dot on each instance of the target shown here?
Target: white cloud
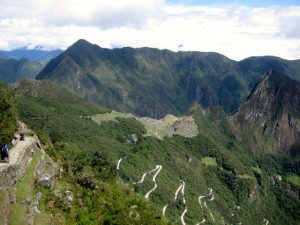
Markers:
(236, 31)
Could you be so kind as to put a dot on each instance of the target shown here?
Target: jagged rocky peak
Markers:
(275, 95)
(272, 113)
(196, 106)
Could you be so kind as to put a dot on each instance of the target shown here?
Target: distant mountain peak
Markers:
(279, 90)
(81, 41)
(37, 53)
(152, 82)
(272, 112)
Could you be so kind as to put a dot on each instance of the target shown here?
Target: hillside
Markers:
(154, 83)
(18, 194)
(13, 70)
(116, 171)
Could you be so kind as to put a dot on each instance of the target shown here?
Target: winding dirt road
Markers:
(164, 209)
(210, 196)
(182, 216)
(119, 161)
(157, 169)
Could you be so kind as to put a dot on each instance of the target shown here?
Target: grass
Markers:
(24, 186)
(256, 170)
(293, 179)
(24, 191)
(209, 161)
(245, 176)
(99, 118)
(17, 214)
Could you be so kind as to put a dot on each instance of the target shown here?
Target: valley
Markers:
(196, 164)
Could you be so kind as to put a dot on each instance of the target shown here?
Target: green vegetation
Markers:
(17, 214)
(294, 180)
(257, 170)
(14, 70)
(245, 176)
(154, 83)
(25, 192)
(7, 114)
(25, 185)
(99, 118)
(89, 152)
(81, 147)
(209, 161)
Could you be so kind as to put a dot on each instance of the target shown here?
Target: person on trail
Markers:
(5, 153)
(22, 136)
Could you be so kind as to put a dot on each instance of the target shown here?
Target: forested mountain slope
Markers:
(152, 82)
(13, 70)
(214, 177)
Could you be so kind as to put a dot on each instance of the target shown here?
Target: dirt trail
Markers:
(202, 196)
(178, 189)
(182, 216)
(142, 180)
(158, 168)
(164, 209)
(119, 161)
(17, 152)
(203, 221)
(210, 198)
(181, 188)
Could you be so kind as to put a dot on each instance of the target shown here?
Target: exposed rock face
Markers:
(272, 114)
(46, 180)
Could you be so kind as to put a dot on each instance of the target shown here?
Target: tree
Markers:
(7, 114)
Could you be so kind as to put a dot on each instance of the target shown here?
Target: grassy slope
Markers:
(89, 153)
(25, 192)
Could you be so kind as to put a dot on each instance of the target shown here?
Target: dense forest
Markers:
(233, 180)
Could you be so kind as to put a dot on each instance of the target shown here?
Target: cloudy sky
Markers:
(237, 29)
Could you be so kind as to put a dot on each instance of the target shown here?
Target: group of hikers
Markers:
(5, 149)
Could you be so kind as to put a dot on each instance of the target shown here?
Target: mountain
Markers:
(272, 114)
(13, 70)
(33, 54)
(118, 174)
(152, 82)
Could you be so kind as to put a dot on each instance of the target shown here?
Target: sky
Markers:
(237, 29)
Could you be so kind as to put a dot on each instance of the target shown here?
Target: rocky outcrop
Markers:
(46, 180)
(271, 116)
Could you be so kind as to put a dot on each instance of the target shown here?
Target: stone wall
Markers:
(10, 173)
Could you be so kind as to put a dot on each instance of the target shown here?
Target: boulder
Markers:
(46, 180)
